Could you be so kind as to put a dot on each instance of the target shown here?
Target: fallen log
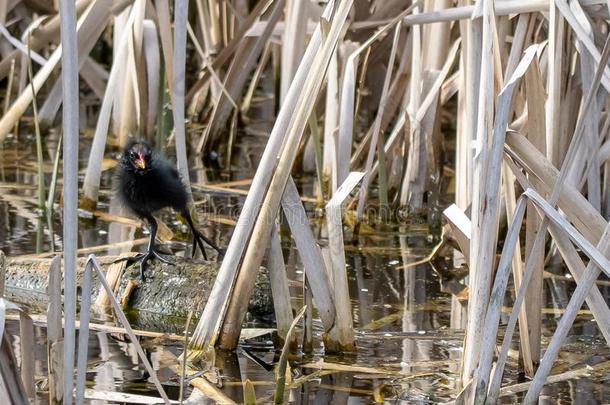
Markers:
(160, 303)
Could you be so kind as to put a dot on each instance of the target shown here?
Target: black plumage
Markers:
(147, 183)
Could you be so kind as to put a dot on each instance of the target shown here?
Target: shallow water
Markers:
(408, 351)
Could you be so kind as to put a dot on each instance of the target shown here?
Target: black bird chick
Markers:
(147, 182)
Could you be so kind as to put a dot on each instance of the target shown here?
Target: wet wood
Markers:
(159, 303)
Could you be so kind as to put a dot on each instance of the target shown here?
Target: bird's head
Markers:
(137, 155)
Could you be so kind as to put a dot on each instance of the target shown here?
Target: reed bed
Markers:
(499, 107)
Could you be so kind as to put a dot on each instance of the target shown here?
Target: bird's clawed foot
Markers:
(198, 240)
(143, 258)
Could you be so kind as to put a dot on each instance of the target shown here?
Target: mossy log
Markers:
(161, 302)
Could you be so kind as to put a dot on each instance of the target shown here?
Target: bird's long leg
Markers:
(152, 223)
(143, 258)
(199, 238)
(150, 253)
(197, 242)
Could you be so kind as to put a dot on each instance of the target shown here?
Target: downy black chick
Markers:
(147, 182)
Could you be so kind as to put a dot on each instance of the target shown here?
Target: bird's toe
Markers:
(161, 258)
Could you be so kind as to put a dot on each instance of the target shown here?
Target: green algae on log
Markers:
(168, 294)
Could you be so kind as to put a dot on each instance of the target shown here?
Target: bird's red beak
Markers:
(140, 162)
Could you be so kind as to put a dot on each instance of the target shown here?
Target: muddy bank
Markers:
(161, 302)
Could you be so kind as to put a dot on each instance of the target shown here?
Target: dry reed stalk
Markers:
(100, 14)
(461, 228)
(587, 220)
(536, 127)
(595, 300)
(120, 23)
(153, 73)
(590, 145)
(205, 333)
(178, 89)
(279, 285)
(341, 336)
(12, 388)
(310, 254)
(264, 59)
(331, 122)
(549, 214)
(48, 30)
(127, 105)
(492, 318)
(425, 63)
(305, 103)
(585, 40)
(377, 130)
(508, 189)
(93, 265)
(395, 99)
(83, 333)
(554, 80)
(230, 48)
(343, 150)
(26, 336)
(437, 34)
(484, 230)
(247, 54)
(165, 34)
(422, 128)
(11, 117)
(93, 174)
(412, 171)
(491, 206)
(23, 48)
(113, 277)
(471, 30)
(564, 226)
(293, 42)
(69, 71)
(516, 50)
(587, 281)
(54, 335)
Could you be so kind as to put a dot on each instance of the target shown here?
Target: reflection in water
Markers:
(406, 326)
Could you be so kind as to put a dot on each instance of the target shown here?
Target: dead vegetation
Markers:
(511, 96)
